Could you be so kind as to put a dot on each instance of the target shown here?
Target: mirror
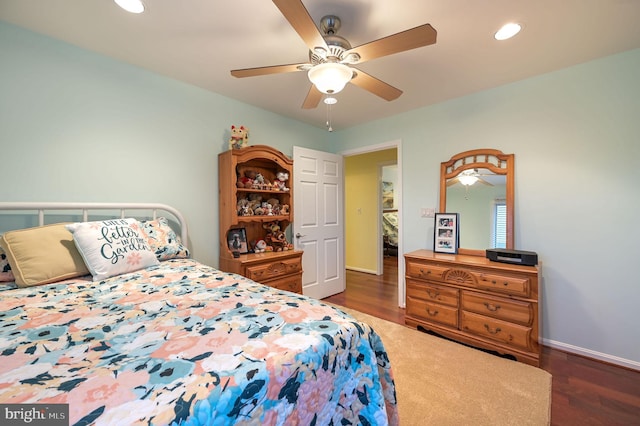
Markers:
(478, 184)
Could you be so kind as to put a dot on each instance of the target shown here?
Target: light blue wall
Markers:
(575, 136)
(77, 126)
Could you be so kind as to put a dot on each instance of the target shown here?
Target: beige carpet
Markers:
(439, 382)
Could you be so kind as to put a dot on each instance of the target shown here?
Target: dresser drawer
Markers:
(497, 307)
(518, 286)
(425, 271)
(433, 312)
(501, 331)
(267, 271)
(432, 293)
(291, 283)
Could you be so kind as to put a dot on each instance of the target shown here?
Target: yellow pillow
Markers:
(42, 255)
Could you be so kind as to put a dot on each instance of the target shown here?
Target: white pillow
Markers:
(112, 247)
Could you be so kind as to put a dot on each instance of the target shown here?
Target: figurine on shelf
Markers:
(278, 241)
(260, 246)
(260, 182)
(243, 207)
(275, 205)
(276, 238)
(246, 181)
(239, 137)
(281, 182)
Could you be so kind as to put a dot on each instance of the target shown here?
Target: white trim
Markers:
(397, 144)
(634, 365)
(381, 165)
(370, 148)
(366, 271)
(40, 207)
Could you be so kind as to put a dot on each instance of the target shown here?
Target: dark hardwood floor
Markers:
(585, 392)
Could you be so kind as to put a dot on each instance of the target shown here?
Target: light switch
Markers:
(427, 212)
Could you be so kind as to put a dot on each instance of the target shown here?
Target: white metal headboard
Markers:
(45, 208)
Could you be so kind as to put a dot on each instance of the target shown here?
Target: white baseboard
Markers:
(366, 271)
(634, 365)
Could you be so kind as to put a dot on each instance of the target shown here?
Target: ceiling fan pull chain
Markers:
(329, 128)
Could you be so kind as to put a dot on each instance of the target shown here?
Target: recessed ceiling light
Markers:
(133, 6)
(508, 31)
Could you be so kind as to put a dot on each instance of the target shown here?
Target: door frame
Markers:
(397, 144)
(380, 248)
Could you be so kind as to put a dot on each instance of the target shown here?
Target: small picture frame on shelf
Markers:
(237, 240)
(446, 236)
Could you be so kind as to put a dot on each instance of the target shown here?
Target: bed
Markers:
(177, 341)
(390, 232)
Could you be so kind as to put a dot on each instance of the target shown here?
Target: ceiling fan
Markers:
(468, 178)
(331, 56)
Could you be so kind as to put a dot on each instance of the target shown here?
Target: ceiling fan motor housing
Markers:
(337, 45)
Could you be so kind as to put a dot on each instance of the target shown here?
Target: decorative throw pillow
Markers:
(41, 255)
(163, 240)
(5, 269)
(112, 247)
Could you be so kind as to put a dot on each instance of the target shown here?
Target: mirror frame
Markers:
(491, 159)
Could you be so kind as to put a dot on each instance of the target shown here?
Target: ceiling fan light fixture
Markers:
(467, 180)
(330, 100)
(507, 31)
(133, 6)
(330, 77)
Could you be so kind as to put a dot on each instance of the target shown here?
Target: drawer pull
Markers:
(422, 271)
(494, 282)
(431, 313)
(491, 307)
(433, 294)
(492, 331)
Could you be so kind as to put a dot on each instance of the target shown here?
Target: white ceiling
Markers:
(200, 41)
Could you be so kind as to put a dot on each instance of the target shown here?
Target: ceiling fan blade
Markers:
(423, 35)
(451, 182)
(484, 182)
(375, 86)
(299, 18)
(313, 98)
(277, 69)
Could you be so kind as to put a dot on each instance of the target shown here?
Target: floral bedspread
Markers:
(184, 343)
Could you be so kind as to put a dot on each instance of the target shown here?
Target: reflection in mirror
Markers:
(478, 185)
(482, 205)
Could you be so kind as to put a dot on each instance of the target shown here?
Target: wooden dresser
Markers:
(473, 300)
(282, 270)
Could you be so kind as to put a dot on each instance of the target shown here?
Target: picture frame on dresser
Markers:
(446, 236)
(237, 240)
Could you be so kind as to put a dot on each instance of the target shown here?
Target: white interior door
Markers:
(318, 220)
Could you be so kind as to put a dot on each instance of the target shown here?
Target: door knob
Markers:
(299, 235)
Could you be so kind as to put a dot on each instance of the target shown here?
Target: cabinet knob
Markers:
(491, 307)
(492, 330)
